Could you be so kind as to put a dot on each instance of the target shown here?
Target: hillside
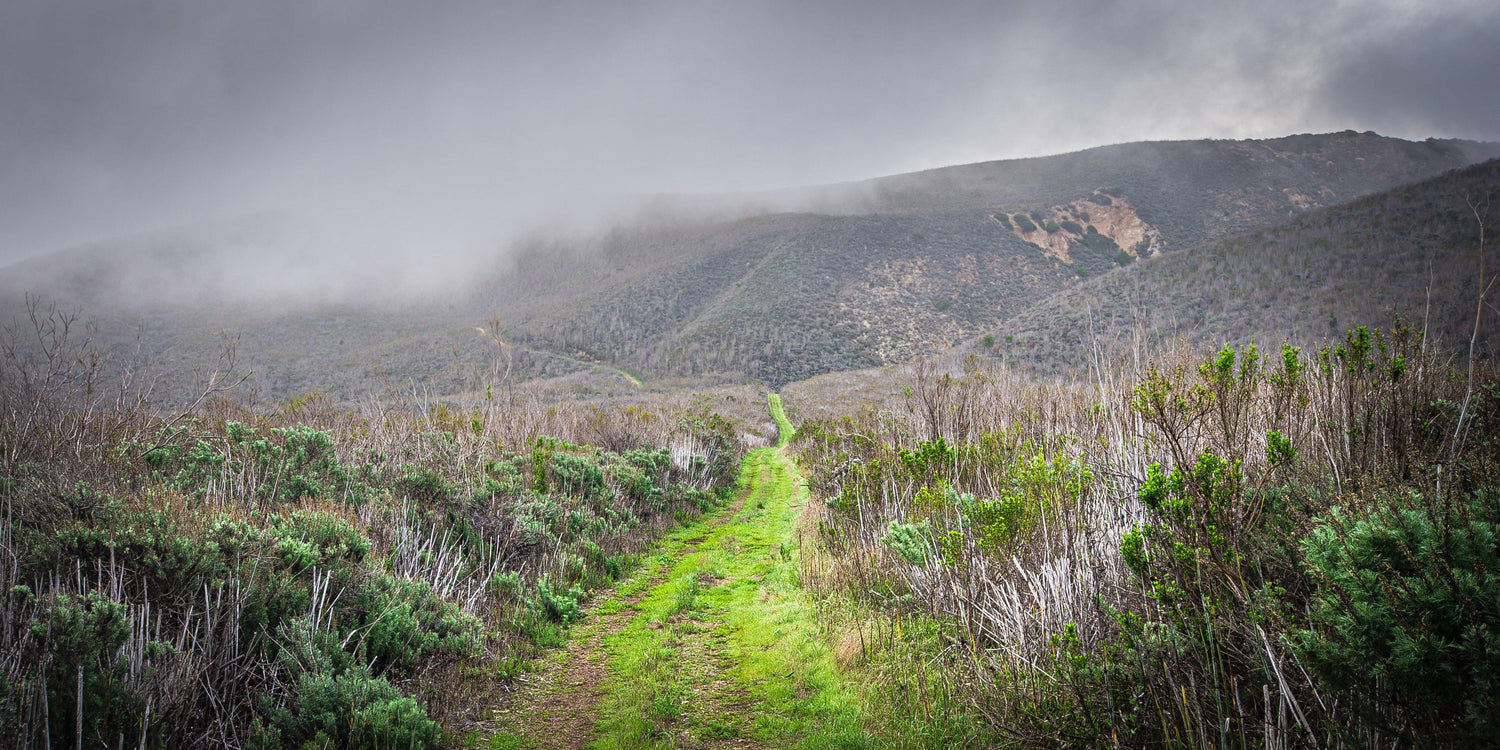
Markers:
(1413, 250)
(782, 287)
(913, 263)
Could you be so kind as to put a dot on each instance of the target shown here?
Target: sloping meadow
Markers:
(362, 577)
(1241, 548)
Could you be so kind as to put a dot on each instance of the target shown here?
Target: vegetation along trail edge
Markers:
(712, 643)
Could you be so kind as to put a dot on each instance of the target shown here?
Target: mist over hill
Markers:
(773, 287)
(916, 262)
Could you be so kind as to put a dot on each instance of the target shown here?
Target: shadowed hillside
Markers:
(1413, 250)
(913, 263)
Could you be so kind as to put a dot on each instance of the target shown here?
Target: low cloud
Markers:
(409, 143)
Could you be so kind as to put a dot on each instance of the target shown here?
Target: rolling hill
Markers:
(1412, 251)
(914, 263)
(785, 286)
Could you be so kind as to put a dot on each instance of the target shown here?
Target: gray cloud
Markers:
(416, 131)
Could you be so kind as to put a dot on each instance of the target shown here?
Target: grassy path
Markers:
(711, 644)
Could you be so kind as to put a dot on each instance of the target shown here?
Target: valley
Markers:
(1151, 457)
(671, 375)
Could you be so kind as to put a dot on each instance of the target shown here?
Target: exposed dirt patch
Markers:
(1108, 214)
(557, 708)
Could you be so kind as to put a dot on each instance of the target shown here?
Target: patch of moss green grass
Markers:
(723, 642)
(729, 645)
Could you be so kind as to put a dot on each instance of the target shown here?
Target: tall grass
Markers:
(1155, 557)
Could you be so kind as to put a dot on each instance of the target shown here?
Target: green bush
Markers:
(83, 634)
(404, 621)
(910, 541)
(311, 538)
(423, 485)
(1406, 616)
(304, 464)
(578, 476)
(353, 710)
(154, 544)
(561, 606)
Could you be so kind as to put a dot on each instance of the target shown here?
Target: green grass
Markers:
(729, 646)
(784, 428)
(723, 641)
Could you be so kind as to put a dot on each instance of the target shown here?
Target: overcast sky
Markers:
(455, 123)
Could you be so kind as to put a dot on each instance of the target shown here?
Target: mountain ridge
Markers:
(897, 267)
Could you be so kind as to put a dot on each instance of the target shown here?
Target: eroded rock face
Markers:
(1107, 213)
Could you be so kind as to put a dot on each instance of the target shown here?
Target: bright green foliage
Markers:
(929, 459)
(910, 541)
(1279, 449)
(560, 606)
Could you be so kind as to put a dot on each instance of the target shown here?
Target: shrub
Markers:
(1406, 616)
(560, 606)
(82, 635)
(304, 464)
(154, 544)
(404, 621)
(354, 710)
(423, 485)
(1100, 244)
(312, 538)
(910, 541)
(578, 476)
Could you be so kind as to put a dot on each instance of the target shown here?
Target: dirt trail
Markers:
(711, 644)
(559, 706)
